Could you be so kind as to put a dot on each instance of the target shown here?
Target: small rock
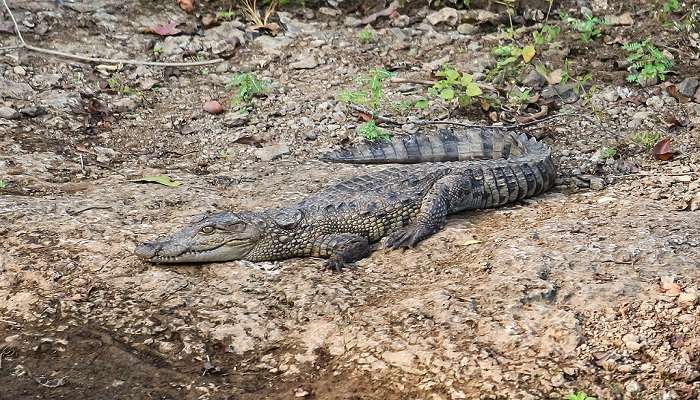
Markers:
(306, 62)
(9, 113)
(272, 45)
(33, 111)
(446, 15)
(533, 79)
(633, 387)
(646, 81)
(563, 92)
(269, 153)
(125, 104)
(467, 29)
(631, 341)
(233, 120)
(19, 70)
(301, 392)
(352, 21)
(688, 86)
(401, 21)
(610, 95)
(688, 298)
(331, 12)
(148, 83)
(655, 102)
(15, 90)
(209, 20)
(623, 19)
(213, 107)
(310, 135)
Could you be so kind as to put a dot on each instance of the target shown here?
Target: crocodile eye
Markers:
(207, 230)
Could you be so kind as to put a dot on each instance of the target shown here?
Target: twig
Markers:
(462, 124)
(74, 213)
(374, 116)
(25, 45)
(428, 82)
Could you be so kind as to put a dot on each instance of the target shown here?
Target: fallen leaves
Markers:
(528, 53)
(168, 29)
(662, 150)
(159, 179)
(387, 12)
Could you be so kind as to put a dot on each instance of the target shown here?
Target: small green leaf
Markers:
(3, 184)
(160, 179)
(473, 90)
(421, 104)
(466, 79)
(447, 94)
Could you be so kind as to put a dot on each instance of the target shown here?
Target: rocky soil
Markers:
(591, 287)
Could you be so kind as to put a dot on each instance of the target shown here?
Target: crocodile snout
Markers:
(146, 250)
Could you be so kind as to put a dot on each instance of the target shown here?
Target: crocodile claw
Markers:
(405, 238)
(334, 264)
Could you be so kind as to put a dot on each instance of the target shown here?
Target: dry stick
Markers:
(464, 125)
(24, 45)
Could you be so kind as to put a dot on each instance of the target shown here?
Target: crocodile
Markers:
(441, 173)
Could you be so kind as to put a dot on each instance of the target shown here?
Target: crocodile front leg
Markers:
(340, 249)
(450, 193)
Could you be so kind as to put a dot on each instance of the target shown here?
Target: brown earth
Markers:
(590, 287)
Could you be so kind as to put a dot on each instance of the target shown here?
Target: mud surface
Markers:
(591, 287)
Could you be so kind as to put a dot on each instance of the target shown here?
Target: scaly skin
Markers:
(470, 169)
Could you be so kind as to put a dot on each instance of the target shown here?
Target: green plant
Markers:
(115, 84)
(519, 96)
(365, 35)
(579, 395)
(451, 84)
(225, 15)
(370, 131)
(607, 152)
(3, 184)
(588, 28)
(647, 63)
(373, 96)
(158, 49)
(510, 61)
(670, 6)
(547, 34)
(248, 86)
(646, 139)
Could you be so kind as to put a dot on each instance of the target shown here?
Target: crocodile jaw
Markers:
(164, 253)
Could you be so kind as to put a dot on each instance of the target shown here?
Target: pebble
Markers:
(269, 153)
(213, 107)
(305, 62)
(631, 341)
(9, 113)
(632, 387)
(19, 70)
(655, 102)
(688, 298)
(688, 86)
(125, 104)
(33, 111)
(446, 15)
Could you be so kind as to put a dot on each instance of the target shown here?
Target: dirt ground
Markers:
(592, 286)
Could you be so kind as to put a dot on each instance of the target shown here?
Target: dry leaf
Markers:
(165, 29)
(528, 53)
(383, 13)
(160, 179)
(186, 5)
(662, 150)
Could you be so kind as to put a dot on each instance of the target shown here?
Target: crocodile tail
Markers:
(446, 145)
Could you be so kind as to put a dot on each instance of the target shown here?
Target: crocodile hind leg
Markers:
(449, 194)
(341, 249)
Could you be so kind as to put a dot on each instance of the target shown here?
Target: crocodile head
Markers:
(222, 236)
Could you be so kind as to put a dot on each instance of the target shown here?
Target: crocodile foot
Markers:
(334, 264)
(407, 237)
